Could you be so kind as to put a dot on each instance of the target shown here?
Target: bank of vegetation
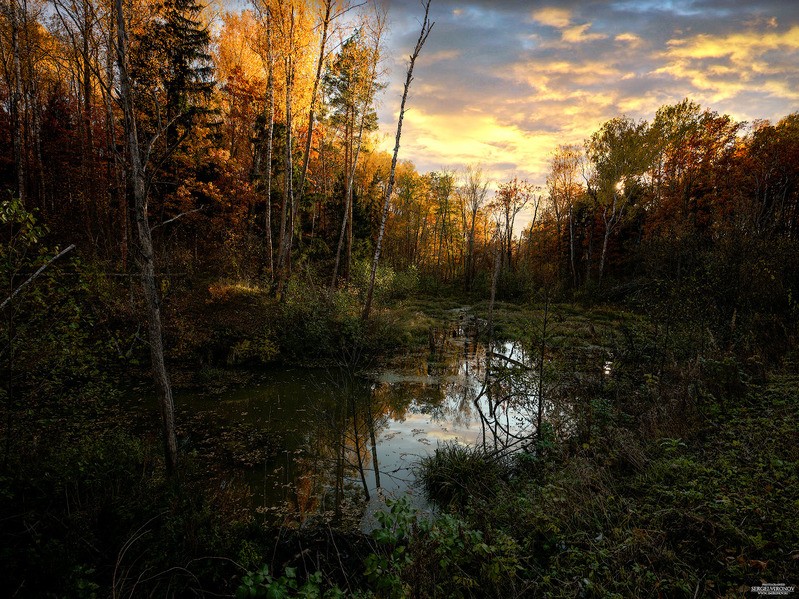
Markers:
(653, 282)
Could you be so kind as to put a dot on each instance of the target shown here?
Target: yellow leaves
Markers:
(237, 48)
(218, 155)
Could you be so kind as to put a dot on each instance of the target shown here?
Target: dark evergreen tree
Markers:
(172, 69)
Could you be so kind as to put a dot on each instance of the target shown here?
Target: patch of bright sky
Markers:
(503, 82)
(526, 78)
(679, 7)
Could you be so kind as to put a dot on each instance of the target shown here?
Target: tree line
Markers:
(257, 133)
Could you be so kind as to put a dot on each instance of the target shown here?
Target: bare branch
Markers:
(174, 218)
(36, 274)
(426, 27)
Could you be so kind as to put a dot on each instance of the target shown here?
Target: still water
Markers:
(345, 437)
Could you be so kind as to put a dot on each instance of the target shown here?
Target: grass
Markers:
(455, 474)
(687, 488)
(709, 515)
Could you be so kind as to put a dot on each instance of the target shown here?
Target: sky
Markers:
(502, 82)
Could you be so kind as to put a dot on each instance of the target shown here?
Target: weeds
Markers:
(454, 474)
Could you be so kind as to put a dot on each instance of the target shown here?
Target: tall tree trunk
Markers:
(427, 25)
(146, 254)
(353, 150)
(16, 103)
(91, 206)
(350, 212)
(610, 224)
(266, 177)
(328, 4)
(288, 211)
(344, 222)
(571, 247)
(602, 256)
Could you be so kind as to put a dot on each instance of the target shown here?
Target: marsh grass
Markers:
(456, 474)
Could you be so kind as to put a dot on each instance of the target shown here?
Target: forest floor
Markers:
(682, 481)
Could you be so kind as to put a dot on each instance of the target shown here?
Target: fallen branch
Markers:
(510, 360)
(174, 218)
(36, 274)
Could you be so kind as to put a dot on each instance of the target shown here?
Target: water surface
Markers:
(346, 435)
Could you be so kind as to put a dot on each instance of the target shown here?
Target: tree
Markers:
(15, 14)
(770, 169)
(441, 186)
(178, 81)
(472, 193)
(426, 27)
(265, 130)
(172, 66)
(564, 188)
(351, 85)
(511, 197)
(294, 34)
(621, 154)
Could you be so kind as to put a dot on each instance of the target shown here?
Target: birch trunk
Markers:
(146, 254)
(427, 25)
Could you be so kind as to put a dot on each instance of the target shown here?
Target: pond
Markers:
(345, 437)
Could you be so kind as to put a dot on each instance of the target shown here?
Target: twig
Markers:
(36, 274)
(174, 218)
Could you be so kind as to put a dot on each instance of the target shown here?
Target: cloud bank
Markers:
(503, 82)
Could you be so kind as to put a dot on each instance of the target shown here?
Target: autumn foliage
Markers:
(262, 157)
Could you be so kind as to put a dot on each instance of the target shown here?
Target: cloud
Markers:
(578, 35)
(725, 66)
(629, 38)
(439, 56)
(565, 74)
(552, 16)
(561, 19)
(476, 137)
(502, 84)
(740, 47)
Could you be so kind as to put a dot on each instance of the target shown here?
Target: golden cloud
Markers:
(553, 17)
(727, 65)
(475, 137)
(629, 38)
(739, 47)
(541, 74)
(578, 35)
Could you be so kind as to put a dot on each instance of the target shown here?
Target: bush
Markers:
(389, 284)
(455, 474)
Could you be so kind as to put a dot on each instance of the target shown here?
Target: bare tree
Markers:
(473, 191)
(136, 172)
(426, 27)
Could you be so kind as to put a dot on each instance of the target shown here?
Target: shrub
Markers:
(456, 473)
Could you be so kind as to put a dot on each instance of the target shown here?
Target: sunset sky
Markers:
(502, 82)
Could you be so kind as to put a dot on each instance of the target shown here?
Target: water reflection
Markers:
(345, 437)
